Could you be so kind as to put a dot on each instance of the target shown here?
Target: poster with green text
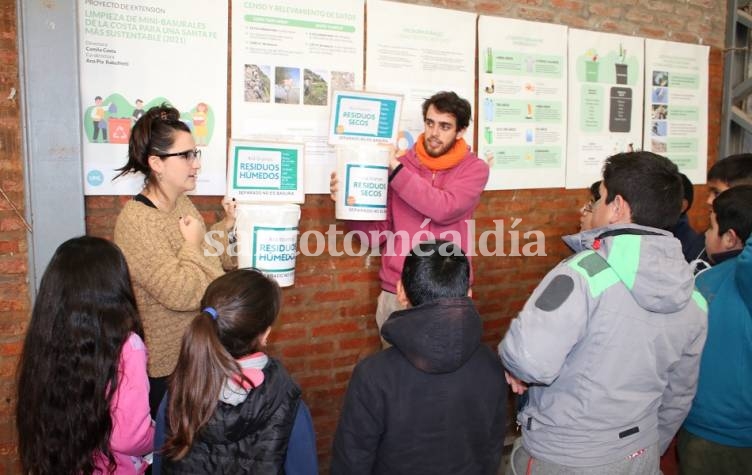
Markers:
(134, 55)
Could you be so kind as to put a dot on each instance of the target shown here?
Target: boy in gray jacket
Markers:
(609, 342)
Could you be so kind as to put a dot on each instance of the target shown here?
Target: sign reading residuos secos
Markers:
(364, 117)
(363, 174)
(269, 172)
(136, 55)
(362, 126)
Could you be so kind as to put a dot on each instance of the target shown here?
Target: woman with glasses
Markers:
(586, 212)
(162, 236)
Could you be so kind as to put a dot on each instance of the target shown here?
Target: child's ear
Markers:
(731, 240)
(470, 292)
(401, 295)
(621, 212)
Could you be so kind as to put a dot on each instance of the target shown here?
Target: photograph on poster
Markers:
(315, 87)
(660, 112)
(343, 80)
(660, 78)
(287, 85)
(658, 145)
(660, 95)
(257, 83)
(659, 128)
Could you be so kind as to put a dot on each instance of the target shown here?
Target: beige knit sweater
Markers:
(169, 277)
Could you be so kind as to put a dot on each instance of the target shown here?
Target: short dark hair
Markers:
(450, 102)
(649, 182)
(733, 170)
(733, 211)
(434, 270)
(595, 191)
(689, 191)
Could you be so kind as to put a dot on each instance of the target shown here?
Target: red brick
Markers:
(659, 33)
(12, 348)
(7, 247)
(535, 14)
(312, 280)
(315, 381)
(12, 223)
(360, 342)
(288, 333)
(352, 277)
(8, 366)
(336, 328)
(368, 309)
(333, 362)
(8, 305)
(308, 349)
(567, 5)
(13, 265)
(574, 21)
(494, 8)
(658, 6)
(342, 295)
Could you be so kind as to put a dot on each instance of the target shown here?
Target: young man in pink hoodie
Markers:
(433, 190)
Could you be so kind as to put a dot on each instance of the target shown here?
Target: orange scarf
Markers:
(450, 159)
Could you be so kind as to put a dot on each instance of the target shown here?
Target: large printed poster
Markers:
(417, 51)
(676, 105)
(522, 121)
(287, 58)
(606, 100)
(135, 55)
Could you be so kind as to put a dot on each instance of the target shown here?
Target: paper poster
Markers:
(676, 105)
(418, 51)
(287, 58)
(605, 96)
(135, 55)
(364, 117)
(522, 121)
(267, 172)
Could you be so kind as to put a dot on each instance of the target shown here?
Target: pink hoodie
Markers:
(132, 427)
(447, 198)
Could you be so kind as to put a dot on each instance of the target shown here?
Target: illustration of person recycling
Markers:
(98, 117)
(201, 124)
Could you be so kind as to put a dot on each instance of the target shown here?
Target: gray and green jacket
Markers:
(610, 343)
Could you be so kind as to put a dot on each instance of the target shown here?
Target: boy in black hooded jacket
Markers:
(435, 402)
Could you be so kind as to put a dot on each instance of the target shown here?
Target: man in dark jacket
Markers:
(435, 402)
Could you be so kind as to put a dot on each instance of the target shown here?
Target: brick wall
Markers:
(326, 324)
(14, 299)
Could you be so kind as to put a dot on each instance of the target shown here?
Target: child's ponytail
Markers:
(237, 311)
(202, 368)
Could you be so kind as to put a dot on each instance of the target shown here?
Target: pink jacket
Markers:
(132, 427)
(445, 198)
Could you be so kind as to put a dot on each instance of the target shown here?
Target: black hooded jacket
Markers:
(434, 403)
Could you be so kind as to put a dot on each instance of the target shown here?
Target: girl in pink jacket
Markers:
(83, 391)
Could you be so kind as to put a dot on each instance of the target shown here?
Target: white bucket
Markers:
(268, 239)
(363, 175)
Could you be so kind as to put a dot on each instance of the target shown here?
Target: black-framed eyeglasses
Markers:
(187, 155)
